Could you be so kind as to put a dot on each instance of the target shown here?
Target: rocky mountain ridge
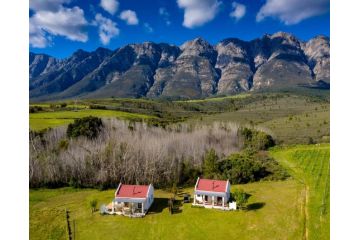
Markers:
(195, 69)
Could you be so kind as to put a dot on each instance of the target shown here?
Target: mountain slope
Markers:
(195, 69)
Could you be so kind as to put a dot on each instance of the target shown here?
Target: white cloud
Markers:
(56, 20)
(292, 11)
(165, 15)
(198, 12)
(107, 29)
(110, 6)
(130, 17)
(148, 27)
(239, 10)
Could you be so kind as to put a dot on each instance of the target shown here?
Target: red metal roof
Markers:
(210, 185)
(132, 191)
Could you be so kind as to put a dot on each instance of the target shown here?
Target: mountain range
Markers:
(195, 69)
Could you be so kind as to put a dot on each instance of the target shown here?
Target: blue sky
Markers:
(60, 27)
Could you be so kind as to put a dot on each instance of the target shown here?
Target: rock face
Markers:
(317, 51)
(195, 69)
(236, 66)
(281, 63)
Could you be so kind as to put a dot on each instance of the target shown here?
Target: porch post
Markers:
(194, 198)
(212, 201)
(142, 208)
(223, 202)
(203, 200)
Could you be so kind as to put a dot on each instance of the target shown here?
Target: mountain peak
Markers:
(198, 42)
(196, 69)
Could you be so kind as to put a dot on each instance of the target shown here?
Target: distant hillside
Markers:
(196, 69)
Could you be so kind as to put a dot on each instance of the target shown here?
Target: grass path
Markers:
(309, 165)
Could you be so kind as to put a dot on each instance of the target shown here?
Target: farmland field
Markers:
(309, 165)
(43, 120)
(274, 213)
(290, 120)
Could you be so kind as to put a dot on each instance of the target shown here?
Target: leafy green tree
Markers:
(256, 140)
(210, 165)
(242, 168)
(241, 198)
(87, 126)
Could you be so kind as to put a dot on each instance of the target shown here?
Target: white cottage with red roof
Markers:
(212, 193)
(132, 200)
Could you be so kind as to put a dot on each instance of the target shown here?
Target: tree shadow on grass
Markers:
(255, 206)
(158, 205)
(177, 205)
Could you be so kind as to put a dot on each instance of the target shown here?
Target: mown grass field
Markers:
(274, 213)
(310, 166)
(43, 120)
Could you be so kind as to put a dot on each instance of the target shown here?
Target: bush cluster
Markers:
(35, 109)
(243, 167)
(87, 126)
(256, 140)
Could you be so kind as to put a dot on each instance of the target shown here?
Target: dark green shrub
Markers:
(93, 106)
(256, 140)
(241, 198)
(248, 166)
(35, 109)
(188, 173)
(210, 164)
(87, 126)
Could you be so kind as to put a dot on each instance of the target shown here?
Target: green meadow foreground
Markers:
(310, 166)
(297, 208)
(275, 212)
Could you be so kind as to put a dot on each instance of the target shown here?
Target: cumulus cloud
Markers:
(198, 12)
(239, 10)
(107, 29)
(51, 18)
(165, 15)
(110, 6)
(148, 27)
(292, 11)
(130, 17)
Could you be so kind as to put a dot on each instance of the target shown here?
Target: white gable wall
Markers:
(149, 198)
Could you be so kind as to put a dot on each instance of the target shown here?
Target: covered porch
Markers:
(128, 207)
(210, 200)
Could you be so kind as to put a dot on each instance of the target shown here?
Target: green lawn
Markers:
(275, 213)
(310, 166)
(43, 120)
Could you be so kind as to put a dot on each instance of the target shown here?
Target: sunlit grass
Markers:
(310, 165)
(43, 120)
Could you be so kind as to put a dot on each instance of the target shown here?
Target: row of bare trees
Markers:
(127, 152)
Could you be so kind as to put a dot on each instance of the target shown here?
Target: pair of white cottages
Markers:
(135, 200)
